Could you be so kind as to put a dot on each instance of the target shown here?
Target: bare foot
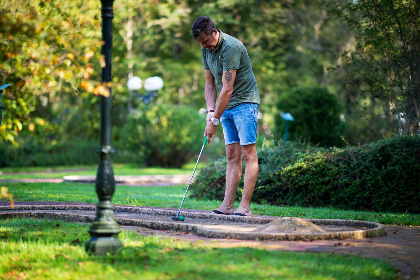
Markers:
(223, 210)
(246, 212)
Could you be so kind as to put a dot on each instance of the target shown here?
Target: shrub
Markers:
(40, 152)
(209, 183)
(381, 176)
(161, 135)
(165, 135)
(316, 113)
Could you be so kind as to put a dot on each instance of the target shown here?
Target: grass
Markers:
(42, 249)
(171, 197)
(61, 171)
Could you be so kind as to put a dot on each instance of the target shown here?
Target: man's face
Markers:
(209, 41)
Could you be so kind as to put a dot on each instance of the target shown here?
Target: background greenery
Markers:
(316, 113)
(50, 54)
(157, 136)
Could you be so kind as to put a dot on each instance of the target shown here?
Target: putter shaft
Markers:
(195, 167)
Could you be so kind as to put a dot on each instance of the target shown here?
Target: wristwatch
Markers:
(215, 121)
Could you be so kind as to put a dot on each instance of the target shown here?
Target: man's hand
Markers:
(209, 116)
(210, 130)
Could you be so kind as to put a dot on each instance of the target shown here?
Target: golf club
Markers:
(177, 217)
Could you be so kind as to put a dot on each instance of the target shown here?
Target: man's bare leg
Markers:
(233, 176)
(249, 153)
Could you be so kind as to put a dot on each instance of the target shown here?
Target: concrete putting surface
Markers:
(205, 224)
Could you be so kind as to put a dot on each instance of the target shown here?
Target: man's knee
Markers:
(249, 153)
(233, 152)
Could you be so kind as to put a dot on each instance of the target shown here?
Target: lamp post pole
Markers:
(104, 229)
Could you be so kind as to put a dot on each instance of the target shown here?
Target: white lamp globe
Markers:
(153, 83)
(134, 83)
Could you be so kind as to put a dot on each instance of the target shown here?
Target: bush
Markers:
(39, 152)
(316, 113)
(209, 183)
(161, 135)
(164, 135)
(381, 176)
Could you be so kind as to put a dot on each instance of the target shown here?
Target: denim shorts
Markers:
(240, 124)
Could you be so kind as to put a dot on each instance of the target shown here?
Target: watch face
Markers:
(215, 121)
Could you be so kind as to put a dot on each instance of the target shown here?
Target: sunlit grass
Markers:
(90, 170)
(42, 249)
(171, 196)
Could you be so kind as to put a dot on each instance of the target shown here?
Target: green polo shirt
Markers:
(231, 54)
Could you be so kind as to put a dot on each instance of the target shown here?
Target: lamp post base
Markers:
(102, 245)
(104, 231)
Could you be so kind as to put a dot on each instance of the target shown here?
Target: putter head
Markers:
(176, 218)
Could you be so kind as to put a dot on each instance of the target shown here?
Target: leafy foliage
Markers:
(46, 51)
(5, 194)
(381, 176)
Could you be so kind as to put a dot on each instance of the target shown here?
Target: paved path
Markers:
(400, 246)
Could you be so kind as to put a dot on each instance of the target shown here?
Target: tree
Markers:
(384, 66)
(46, 55)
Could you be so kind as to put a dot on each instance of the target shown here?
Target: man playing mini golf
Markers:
(228, 69)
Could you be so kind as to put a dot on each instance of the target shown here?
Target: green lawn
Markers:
(41, 249)
(171, 197)
(61, 171)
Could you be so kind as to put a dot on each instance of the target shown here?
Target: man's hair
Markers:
(202, 24)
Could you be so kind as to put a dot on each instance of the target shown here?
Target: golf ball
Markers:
(181, 218)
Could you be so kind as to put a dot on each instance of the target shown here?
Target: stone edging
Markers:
(234, 228)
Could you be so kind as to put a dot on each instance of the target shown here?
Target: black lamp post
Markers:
(104, 230)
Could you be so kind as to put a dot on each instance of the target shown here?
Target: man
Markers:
(227, 68)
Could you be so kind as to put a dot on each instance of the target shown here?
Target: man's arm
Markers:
(210, 91)
(228, 80)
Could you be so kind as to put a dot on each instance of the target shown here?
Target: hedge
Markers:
(36, 152)
(383, 176)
